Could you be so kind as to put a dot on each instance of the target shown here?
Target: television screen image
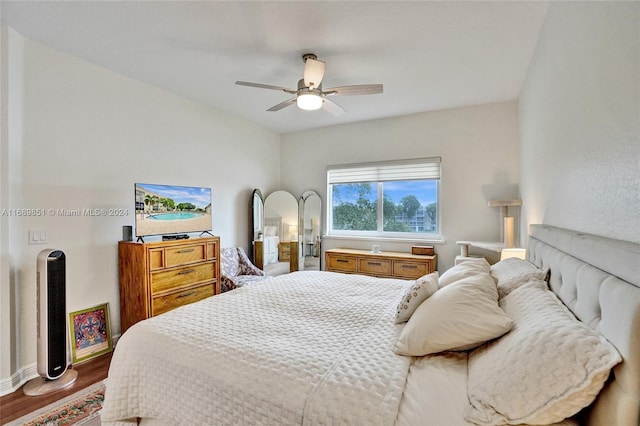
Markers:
(171, 209)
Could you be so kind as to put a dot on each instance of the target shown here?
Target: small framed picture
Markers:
(90, 333)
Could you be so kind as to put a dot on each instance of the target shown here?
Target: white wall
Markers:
(580, 121)
(82, 136)
(479, 150)
(5, 294)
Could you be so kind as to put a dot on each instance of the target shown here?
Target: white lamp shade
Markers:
(513, 252)
(293, 232)
(309, 101)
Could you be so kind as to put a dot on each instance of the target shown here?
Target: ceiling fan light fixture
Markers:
(309, 94)
(309, 101)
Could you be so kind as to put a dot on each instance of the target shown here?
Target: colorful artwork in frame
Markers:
(90, 333)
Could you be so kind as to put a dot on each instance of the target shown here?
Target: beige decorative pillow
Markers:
(424, 287)
(512, 273)
(460, 316)
(270, 231)
(513, 267)
(465, 269)
(505, 287)
(546, 369)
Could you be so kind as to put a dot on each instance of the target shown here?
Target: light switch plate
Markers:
(38, 236)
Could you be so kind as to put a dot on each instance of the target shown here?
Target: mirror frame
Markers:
(257, 228)
(255, 197)
(285, 238)
(301, 212)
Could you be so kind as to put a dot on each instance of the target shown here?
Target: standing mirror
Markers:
(257, 227)
(280, 234)
(310, 230)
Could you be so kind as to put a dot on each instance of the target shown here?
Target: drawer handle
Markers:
(191, 293)
(342, 260)
(189, 250)
(186, 271)
(410, 266)
(374, 263)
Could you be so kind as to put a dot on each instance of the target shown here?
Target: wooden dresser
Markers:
(287, 252)
(291, 250)
(160, 276)
(284, 251)
(258, 254)
(384, 265)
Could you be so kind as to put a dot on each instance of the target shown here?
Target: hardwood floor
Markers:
(17, 404)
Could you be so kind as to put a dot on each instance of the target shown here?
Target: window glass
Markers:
(390, 199)
(410, 206)
(355, 206)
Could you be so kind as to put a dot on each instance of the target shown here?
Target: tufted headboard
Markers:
(599, 280)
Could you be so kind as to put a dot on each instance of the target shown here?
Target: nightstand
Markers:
(495, 247)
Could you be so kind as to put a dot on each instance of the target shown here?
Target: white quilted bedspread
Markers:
(304, 348)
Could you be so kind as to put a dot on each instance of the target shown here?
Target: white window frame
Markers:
(379, 172)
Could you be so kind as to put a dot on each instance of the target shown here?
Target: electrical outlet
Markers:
(38, 236)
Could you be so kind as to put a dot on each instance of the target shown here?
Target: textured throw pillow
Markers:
(546, 369)
(505, 287)
(421, 290)
(513, 267)
(457, 317)
(270, 231)
(512, 273)
(465, 269)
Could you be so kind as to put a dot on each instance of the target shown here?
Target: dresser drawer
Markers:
(179, 277)
(342, 263)
(374, 266)
(171, 301)
(284, 252)
(409, 269)
(175, 256)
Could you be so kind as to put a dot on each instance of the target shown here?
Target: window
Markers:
(397, 199)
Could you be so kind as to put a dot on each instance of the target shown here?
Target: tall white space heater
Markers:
(53, 337)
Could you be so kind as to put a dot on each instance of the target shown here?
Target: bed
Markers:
(317, 347)
(272, 232)
(273, 265)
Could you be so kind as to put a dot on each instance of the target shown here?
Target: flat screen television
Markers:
(171, 209)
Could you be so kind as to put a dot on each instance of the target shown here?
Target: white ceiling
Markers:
(429, 55)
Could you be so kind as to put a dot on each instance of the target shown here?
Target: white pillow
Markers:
(465, 269)
(423, 287)
(270, 231)
(505, 287)
(457, 317)
(512, 273)
(546, 369)
(513, 267)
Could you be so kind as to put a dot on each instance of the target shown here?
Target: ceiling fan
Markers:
(310, 95)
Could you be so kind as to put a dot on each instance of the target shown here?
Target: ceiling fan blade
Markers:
(360, 89)
(265, 86)
(313, 72)
(282, 105)
(332, 107)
